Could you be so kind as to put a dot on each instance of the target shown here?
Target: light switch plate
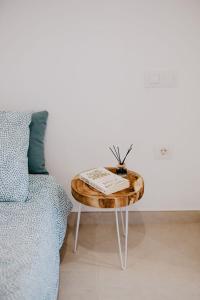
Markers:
(160, 79)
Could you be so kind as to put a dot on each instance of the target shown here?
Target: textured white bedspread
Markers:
(31, 234)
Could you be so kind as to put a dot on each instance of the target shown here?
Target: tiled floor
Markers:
(163, 263)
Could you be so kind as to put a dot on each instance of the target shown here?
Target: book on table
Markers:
(104, 181)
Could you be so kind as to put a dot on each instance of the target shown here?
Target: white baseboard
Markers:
(139, 217)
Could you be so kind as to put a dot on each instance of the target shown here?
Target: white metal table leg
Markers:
(122, 220)
(123, 258)
(77, 228)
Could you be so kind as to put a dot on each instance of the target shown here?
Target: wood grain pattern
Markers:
(87, 195)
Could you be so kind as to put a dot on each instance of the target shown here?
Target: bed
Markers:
(31, 235)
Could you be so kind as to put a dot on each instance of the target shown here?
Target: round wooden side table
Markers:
(86, 195)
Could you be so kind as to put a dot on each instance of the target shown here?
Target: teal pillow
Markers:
(36, 156)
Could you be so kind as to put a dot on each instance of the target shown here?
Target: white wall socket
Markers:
(163, 152)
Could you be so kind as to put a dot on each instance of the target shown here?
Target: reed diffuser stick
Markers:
(119, 155)
(118, 158)
(113, 153)
(129, 150)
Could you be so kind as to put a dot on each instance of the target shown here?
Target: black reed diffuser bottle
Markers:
(121, 167)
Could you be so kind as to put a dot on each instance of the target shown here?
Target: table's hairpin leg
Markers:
(122, 220)
(123, 258)
(77, 228)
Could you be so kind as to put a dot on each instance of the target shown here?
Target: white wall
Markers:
(84, 61)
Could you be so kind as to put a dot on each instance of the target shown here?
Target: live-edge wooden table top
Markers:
(89, 196)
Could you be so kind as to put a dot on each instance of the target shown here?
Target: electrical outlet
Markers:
(163, 152)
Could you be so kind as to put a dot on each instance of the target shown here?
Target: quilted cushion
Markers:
(36, 157)
(14, 142)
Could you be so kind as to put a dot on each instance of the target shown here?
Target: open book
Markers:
(104, 180)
